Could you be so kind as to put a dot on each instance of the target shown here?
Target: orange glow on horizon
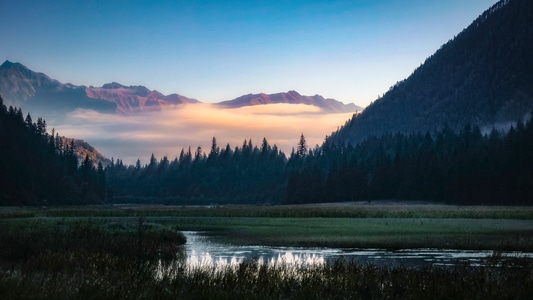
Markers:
(165, 133)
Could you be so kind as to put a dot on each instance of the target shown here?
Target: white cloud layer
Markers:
(165, 133)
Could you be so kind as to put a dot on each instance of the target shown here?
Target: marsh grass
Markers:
(26, 238)
(375, 209)
(388, 233)
(111, 277)
(132, 257)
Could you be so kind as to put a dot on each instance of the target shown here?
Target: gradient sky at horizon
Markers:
(352, 51)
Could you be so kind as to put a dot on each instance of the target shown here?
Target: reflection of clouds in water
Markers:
(286, 260)
(297, 259)
(166, 132)
(204, 254)
(282, 259)
(288, 263)
(206, 261)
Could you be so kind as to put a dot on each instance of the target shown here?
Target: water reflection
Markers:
(203, 252)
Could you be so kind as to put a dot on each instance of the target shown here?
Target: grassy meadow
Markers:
(120, 251)
(350, 225)
(390, 233)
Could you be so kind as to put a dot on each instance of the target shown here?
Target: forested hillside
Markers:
(40, 168)
(457, 168)
(481, 77)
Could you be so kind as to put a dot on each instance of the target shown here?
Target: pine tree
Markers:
(265, 147)
(41, 126)
(215, 150)
(301, 150)
(198, 154)
(28, 121)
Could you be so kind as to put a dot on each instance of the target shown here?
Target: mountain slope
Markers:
(291, 97)
(484, 76)
(36, 92)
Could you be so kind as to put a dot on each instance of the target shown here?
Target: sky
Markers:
(352, 51)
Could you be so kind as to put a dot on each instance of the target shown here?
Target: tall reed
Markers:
(76, 275)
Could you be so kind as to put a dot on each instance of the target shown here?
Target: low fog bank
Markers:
(165, 133)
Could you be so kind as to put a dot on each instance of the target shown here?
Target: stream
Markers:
(203, 251)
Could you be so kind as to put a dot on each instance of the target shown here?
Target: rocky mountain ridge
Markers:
(34, 91)
(327, 105)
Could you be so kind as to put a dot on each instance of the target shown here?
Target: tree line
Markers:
(465, 167)
(246, 174)
(456, 167)
(41, 168)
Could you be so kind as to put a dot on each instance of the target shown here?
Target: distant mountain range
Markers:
(36, 92)
(483, 76)
(293, 97)
(130, 99)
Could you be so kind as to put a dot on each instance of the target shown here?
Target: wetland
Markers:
(356, 251)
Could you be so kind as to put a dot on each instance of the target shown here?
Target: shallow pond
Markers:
(203, 251)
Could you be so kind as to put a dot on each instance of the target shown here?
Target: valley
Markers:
(122, 192)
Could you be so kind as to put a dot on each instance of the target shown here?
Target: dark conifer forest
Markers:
(466, 167)
(247, 174)
(38, 168)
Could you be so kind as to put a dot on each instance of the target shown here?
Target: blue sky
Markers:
(352, 51)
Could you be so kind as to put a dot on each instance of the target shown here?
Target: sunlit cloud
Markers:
(165, 133)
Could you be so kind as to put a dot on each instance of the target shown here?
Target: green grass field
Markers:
(393, 233)
(383, 209)
(337, 225)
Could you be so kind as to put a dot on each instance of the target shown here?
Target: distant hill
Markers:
(83, 149)
(41, 95)
(483, 76)
(291, 97)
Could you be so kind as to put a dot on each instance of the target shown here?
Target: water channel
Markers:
(203, 251)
